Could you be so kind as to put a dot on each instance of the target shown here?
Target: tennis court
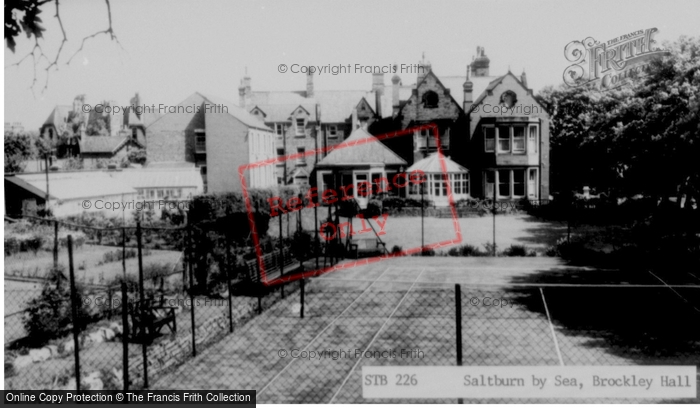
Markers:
(404, 312)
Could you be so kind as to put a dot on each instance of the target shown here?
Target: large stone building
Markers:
(491, 125)
(216, 136)
(311, 119)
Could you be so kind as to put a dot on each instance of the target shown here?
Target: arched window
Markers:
(430, 100)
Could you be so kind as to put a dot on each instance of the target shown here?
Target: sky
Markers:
(170, 49)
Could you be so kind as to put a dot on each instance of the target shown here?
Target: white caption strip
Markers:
(668, 382)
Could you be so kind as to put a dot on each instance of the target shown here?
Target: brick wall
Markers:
(171, 138)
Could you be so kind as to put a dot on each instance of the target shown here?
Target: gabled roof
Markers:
(361, 148)
(494, 83)
(431, 164)
(439, 82)
(40, 193)
(237, 112)
(104, 144)
(456, 85)
(59, 115)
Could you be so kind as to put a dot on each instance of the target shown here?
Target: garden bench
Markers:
(148, 318)
(366, 246)
(273, 266)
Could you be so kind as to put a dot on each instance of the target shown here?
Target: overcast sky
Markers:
(174, 48)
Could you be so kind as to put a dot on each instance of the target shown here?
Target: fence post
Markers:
(191, 261)
(144, 346)
(458, 320)
(124, 252)
(55, 244)
(125, 335)
(228, 281)
(301, 291)
(74, 312)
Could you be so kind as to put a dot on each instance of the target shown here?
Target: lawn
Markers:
(405, 232)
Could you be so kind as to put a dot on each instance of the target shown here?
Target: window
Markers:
(445, 139)
(518, 183)
(430, 100)
(301, 161)
(504, 183)
(503, 139)
(332, 131)
(518, 139)
(420, 139)
(200, 141)
(280, 155)
(460, 184)
(279, 130)
(532, 139)
(489, 139)
(300, 127)
(134, 133)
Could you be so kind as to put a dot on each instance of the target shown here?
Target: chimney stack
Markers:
(395, 86)
(480, 64)
(309, 84)
(468, 88)
(378, 89)
(241, 95)
(523, 79)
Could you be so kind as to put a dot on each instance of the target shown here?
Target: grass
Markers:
(511, 229)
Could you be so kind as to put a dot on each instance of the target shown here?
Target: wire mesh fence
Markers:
(307, 341)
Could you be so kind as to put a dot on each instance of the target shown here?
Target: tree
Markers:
(23, 15)
(642, 139)
(18, 149)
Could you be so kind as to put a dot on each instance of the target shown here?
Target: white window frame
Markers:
(509, 138)
(332, 131)
(484, 129)
(279, 130)
(512, 182)
(197, 134)
(537, 137)
(300, 131)
(301, 161)
(524, 138)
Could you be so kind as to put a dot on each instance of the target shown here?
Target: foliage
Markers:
(466, 250)
(517, 250)
(22, 16)
(137, 156)
(25, 236)
(49, 315)
(18, 149)
(640, 139)
(403, 202)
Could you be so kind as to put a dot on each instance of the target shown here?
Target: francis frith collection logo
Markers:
(611, 64)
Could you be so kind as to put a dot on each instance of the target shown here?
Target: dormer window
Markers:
(430, 100)
(300, 127)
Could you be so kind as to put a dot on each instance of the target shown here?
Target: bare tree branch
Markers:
(54, 63)
(37, 53)
(109, 31)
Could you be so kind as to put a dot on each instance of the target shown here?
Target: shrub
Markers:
(516, 250)
(466, 250)
(396, 249)
(49, 315)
